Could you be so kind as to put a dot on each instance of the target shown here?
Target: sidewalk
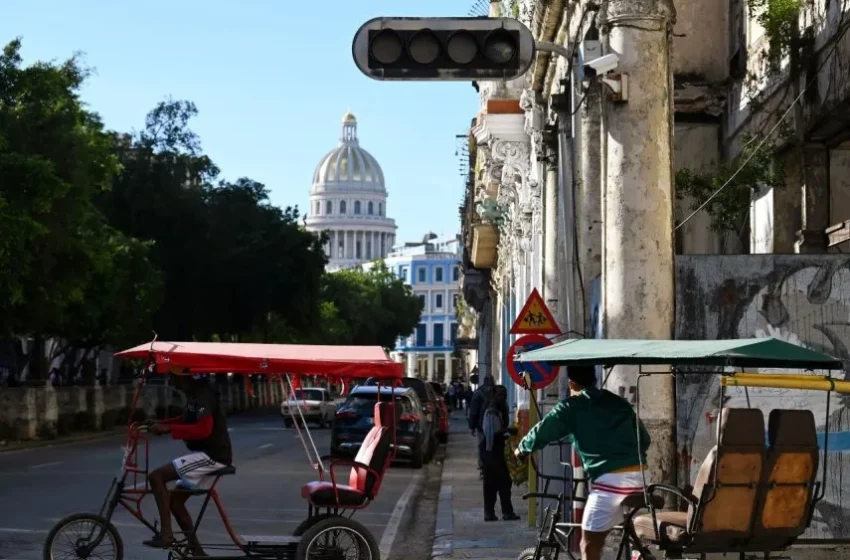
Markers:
(461, 531)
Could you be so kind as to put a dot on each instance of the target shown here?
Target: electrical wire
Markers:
(755, 152)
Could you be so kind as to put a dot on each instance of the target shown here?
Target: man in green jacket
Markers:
(602, 428)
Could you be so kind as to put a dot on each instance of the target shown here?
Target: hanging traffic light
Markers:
(464, 48)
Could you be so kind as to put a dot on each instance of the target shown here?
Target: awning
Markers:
(238, 358)
(746, 352)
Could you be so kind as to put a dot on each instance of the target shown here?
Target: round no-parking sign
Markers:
(541, 373)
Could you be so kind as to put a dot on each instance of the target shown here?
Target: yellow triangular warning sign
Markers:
(535, 317)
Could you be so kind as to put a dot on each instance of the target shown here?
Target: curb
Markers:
(38, 443)
(444, 526)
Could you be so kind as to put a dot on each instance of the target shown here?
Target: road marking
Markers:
(42, 465)
(16, 530)
(395, 519)
(265, 446)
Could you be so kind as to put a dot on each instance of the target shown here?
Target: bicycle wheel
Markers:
(337, 537)
(528, 554)
(71, 539)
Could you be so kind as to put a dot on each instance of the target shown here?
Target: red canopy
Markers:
(302, 359)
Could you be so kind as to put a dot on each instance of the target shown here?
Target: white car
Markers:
(316, 405)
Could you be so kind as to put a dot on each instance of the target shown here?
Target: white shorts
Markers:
(604, 510)
(194, 470)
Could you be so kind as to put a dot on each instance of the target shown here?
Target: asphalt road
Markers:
(40, 486)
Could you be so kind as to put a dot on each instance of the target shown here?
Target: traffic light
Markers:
(463, 48)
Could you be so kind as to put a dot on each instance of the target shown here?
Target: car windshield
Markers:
(365, 404)
(308, 395)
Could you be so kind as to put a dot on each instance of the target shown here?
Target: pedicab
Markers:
(756, 490)
(328, 531)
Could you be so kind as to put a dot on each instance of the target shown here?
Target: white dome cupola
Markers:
(348, 165)
(348, 199)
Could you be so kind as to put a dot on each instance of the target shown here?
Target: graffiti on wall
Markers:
(802, 299)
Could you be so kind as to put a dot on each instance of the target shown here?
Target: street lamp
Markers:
(463, 48)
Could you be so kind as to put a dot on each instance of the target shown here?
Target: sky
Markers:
(271, 80)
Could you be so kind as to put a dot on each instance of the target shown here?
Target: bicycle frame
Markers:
(129, 492)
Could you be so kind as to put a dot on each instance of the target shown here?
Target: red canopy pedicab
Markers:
(328, 532)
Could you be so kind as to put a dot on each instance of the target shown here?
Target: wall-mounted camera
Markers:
(601, 65)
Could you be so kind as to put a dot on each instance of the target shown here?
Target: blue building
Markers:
(432, 268)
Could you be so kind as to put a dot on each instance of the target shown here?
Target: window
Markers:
(402, 273)
(356, 206)
(341, 251)
(454, 301)
(358, 249)
(438, 334)
(453, 332)
(371, 208)
(369, 251)
(380, 209)
(438, 301)
(329, 207)
(318, 207)
(421, 333)
(455, 273)
(438, 274)
(342, 207)
(424, 304)
(420, 275)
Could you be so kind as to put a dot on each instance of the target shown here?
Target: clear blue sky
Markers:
(271, 80)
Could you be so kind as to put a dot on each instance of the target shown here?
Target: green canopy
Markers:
(744, 352)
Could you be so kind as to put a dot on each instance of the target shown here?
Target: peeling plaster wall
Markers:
(696, 146)
(804, 299)
(701, 44)
(839, 184)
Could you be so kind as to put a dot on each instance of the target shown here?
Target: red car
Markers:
(442, 412)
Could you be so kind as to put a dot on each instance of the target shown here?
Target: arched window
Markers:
(356, 206)
(329, 207)
(342, 207)
(318, 207)
(380, 209)
(371, 208)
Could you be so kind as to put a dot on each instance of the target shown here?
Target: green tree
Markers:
(55, 158)
(235, 266)
(375, 305)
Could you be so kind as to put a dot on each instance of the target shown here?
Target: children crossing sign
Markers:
(535, 317)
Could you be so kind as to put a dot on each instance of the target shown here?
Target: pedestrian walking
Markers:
(497, 476)
(477, 406)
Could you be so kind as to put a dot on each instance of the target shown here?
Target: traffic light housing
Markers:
(442, 49)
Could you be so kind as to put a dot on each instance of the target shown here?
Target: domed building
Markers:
(348, 199)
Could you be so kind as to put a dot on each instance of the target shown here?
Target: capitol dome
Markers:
(348, 164)
(348, 199)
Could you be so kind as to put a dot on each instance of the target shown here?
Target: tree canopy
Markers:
(107, 236)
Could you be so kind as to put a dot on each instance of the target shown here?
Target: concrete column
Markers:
(430, 375)
(814, 187)
(589, 198)
(411, 364)
(448, 378)
(637, 213)
(551, 260)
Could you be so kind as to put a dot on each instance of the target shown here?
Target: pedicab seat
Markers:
(789, 481)
(720, 516)
(367, 469)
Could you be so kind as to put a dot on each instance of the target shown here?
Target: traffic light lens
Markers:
(500, 47)
(386, 47)
(462, 47)
(424, 48)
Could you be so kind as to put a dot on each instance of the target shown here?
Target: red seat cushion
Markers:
(321, 494)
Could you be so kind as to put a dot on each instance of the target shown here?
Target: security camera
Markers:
(601, 65)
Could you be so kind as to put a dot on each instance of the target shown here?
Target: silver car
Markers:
(316, 405)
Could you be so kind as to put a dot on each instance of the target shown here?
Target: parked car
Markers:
(355, 418)
(442, 412)
(316, 406)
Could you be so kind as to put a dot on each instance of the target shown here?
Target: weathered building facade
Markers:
(587, 188)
